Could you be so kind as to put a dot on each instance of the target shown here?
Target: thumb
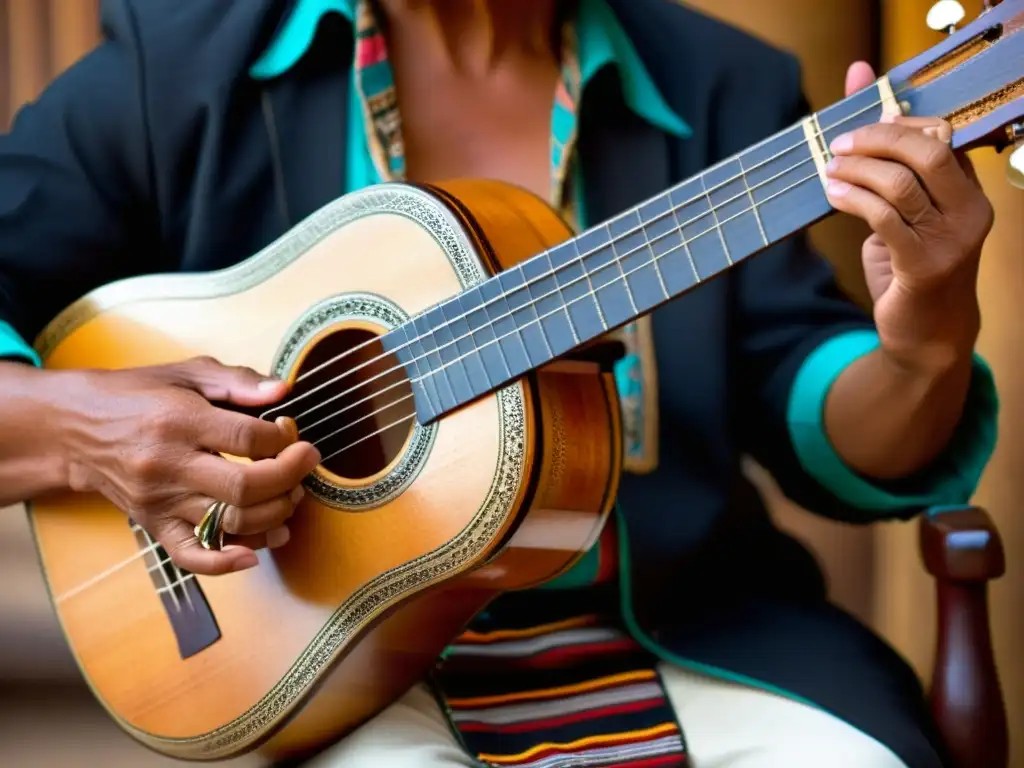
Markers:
(234, 384)
(859, 76)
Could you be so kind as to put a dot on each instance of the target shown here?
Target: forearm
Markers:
(888, 421)
(30, 459)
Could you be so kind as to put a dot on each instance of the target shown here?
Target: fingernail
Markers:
(288, 426)
(832, 165)
(841, 143)
(837, 188)
(297, 495)
(278, 537)
(268, 384)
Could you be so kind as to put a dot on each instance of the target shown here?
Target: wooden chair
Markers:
(963, 551)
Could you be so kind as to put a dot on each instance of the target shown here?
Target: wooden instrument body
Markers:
(502, 494)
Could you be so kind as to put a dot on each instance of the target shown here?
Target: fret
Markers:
(503, 340)
(545, 295)
(855, 111)
(784, 183)
(577, 289)
(622, 273)
(714, 217)
(406, 347)
(735, 210)
(605, 272)
(664, 235)
(701, 236)
(524, 319)
(458, 317)
(429, 361)
(497, 358)
(454, 366)
(753, 202)
(637, 261)
(442, 358)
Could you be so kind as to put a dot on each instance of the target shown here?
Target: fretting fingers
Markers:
(920, 144)
(883, 218)
(890, 181)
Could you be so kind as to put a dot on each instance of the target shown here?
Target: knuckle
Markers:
(203, 361)
(903, 184)
(885, 217)
(165, 423)
(244, 436)
(283, 510)
(147, 468)
(244, 372)
(239, 488)
(938, 158)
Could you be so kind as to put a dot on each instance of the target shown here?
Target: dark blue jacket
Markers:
(154, 154)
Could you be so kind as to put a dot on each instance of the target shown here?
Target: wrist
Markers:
(934, 336)
(32, 446)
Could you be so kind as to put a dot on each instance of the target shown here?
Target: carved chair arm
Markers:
(962, 549)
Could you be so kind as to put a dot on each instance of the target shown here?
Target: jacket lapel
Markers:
(625, 159)
(305, 114)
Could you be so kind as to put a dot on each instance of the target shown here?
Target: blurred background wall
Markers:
(875, 572)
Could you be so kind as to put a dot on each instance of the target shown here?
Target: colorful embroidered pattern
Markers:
(376, 84)
(577, 691)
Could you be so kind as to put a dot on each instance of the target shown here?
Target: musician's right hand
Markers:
(148, 439)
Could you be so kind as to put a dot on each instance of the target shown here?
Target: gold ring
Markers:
(209, 532)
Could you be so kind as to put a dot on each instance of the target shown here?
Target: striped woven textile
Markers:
(555, 693)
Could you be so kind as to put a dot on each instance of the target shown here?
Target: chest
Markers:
(495, 125)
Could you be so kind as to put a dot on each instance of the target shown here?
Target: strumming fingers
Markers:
(256, 518)
(245, 484)
(179, 541)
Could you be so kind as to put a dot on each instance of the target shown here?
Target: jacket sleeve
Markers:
(797, 333)
(73, 187)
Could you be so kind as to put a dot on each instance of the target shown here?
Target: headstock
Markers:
(974, 79)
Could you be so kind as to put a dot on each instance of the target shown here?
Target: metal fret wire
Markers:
(647, 246)
(592, 292)
(587, 295)
(580, 257)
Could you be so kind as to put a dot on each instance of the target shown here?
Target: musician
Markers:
(199, 132)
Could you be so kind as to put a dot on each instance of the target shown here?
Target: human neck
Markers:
(476, 36)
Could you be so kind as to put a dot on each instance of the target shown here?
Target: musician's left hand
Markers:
(930, 218)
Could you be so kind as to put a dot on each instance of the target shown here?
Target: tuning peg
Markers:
(1015, 162)
(945, 15)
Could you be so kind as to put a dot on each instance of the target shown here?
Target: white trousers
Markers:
(724, 725)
